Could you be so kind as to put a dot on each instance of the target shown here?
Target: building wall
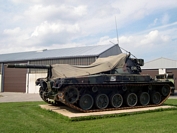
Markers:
(30, 82)
(0, 68)
(173, 71)
(151, 72)
(1, 78)
(0, 83)
(71, 61)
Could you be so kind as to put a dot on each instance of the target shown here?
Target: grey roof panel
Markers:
(160, 63)
(56, 53)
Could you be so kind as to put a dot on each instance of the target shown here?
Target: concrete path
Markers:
(22, 97)
(18, 97)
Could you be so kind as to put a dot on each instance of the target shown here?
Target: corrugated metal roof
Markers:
(56, 53)
(160, 63)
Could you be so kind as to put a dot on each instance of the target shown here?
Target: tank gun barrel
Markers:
(29, 66)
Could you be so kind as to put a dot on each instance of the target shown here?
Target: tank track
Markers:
(60, 96)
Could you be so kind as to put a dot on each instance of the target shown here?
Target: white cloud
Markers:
(80, 10)
(54, 33)
(12, 31)
(150, 38)
(104, 40)
(133, 10)
(126, 39)
(165, 18)
(26, 1)
(150, 45)
(55, 12)
(46, 28)
(154, 23)
(66, 45)
(58, 23)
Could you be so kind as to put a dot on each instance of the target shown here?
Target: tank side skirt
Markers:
(61, 97)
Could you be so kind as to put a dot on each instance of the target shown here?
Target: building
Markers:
(161, 66)
(23, 80)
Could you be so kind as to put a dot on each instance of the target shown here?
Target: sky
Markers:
(146, 28)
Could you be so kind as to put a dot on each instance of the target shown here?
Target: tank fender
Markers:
(171, 84)
(58, 83)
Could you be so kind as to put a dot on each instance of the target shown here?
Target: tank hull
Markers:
(106, 92)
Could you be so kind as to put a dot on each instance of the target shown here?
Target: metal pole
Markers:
(27, 84)
(2, 78)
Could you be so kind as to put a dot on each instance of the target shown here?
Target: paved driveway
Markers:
(22, 97)
(18, 97)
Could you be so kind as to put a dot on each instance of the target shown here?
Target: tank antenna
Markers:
(117, 31)
(118, 39)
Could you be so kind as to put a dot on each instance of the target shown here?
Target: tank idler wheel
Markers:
(71, 95)
(42, 94)
(131, 99)
(155, 97)
(116, 100)
(86, 102)
(102, 101)
(165, 90)
(144, 98)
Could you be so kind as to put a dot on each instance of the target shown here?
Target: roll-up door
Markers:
(14, 80)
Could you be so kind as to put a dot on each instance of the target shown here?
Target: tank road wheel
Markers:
(155, 97)
(116, 100)
(71, 95)
(165, 90)
(144, 98)
(131, 99)
(102, 101)
(86, 102)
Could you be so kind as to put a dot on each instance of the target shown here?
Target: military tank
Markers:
(110, 83)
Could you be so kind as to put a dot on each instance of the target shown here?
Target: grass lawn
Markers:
(29, 117)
